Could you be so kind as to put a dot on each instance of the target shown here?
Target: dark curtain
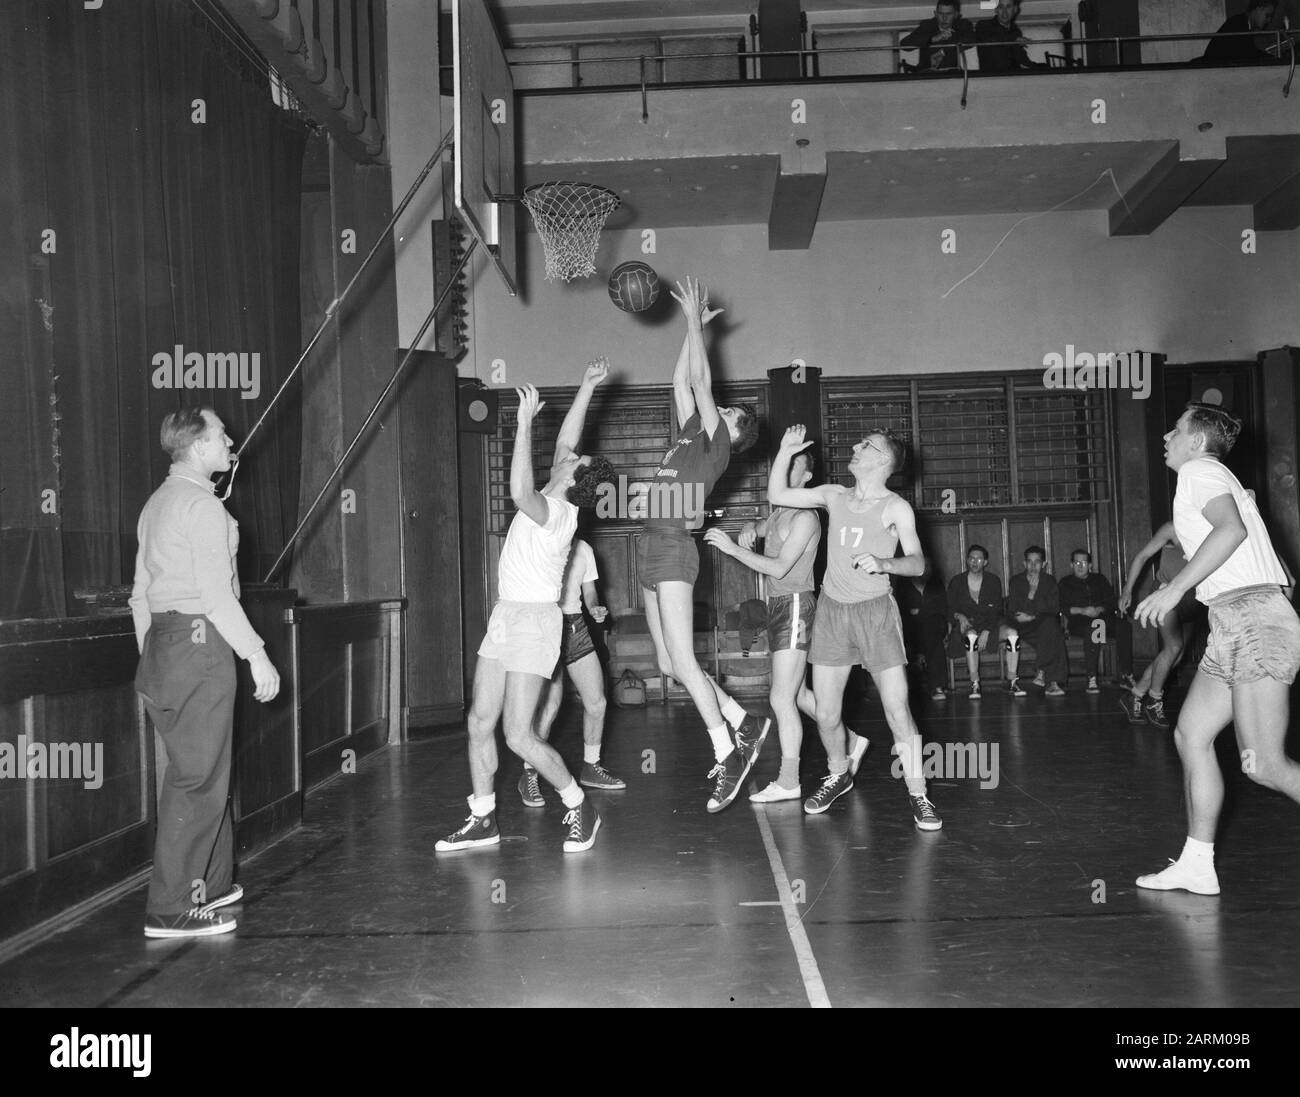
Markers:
(165, 231)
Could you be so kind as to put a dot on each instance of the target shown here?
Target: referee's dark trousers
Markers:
(187, 679)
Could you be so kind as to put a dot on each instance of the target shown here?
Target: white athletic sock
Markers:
(1156, 696)
(571, 794)
(789, 776)
(483, 805)
(1197, 855)
(722, 742)
(733, 713)
(590, 754)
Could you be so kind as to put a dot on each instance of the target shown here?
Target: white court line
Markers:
(812, 977)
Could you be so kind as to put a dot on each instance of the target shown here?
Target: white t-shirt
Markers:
(580, 569)
(1254, 563)
(533, 557)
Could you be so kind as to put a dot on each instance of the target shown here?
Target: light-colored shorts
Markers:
(1254, 634)
(524, 636)
(869, 633)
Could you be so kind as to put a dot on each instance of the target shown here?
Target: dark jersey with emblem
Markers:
(686, 475)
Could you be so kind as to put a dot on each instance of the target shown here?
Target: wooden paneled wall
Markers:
(71, 842)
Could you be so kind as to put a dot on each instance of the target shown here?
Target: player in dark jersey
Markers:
(668, 560)
(1145, 701)
(857, 617)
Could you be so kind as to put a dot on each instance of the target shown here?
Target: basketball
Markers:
(634, 286)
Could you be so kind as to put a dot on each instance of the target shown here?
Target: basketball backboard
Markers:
(484, 132)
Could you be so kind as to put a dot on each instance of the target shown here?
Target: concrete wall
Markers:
(870, 298)
(1178, 17)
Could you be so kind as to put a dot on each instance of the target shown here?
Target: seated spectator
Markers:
(975, 606)
(1034, 611)
(1087, 598)
(1238, 50)
(1286, 21)
(923, 607)
(939, 39)
(1001, 45)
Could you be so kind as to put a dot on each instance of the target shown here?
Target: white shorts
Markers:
(524, 636)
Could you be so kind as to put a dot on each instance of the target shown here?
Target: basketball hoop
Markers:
(569, 217)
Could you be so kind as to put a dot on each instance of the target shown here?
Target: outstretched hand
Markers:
(597, 370)
(530, 403)
(694, 300)
(795, 439)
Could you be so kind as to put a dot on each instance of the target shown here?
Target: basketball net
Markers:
(569, 217)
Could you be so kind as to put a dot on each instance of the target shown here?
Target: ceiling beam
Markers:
(796, 201)
(1279, 211)
(1149, 202)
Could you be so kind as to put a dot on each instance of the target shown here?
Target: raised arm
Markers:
(779, 491)
(566, 443)
(523, 489)
(694, 300)
(683, 397)
(803, 528)
(1228, 533)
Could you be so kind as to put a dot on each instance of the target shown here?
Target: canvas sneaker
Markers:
(1131, 705)
(530, 789)
(195, 922)
(1178, 877)
(1155, 713)
(594, 775)
(833, 786)
(583, 822)
(924, 814)
(477, 830)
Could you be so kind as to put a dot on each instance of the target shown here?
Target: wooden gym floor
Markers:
(756, 906)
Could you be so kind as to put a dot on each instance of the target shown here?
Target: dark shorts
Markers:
(869, 633)
(1254, 634)
(665, 555)
(790, 621)
(575, 640)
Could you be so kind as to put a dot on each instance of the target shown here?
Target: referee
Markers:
(189, 627)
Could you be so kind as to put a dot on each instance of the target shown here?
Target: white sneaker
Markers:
(1039, 680)
(1179, 877)
(859, 748)
(773, 793)
(1092, 686)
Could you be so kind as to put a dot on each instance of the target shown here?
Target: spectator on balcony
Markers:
(1001, 45)
(940, 39)
(1229, 46)
(1091, 613)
